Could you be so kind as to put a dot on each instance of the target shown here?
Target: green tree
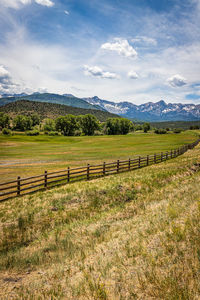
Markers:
(67, 124)
(118, 126)
(113, 126)
(146, 127)
(125, 125)
(36, 119)
(138, 127)
(22, 123)
(88, 124)
(4, 120)
(49, 125)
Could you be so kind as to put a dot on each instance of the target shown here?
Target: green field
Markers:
(25, 156)
(134, 235)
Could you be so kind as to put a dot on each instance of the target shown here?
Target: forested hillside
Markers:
(51, 110)
(69, 100)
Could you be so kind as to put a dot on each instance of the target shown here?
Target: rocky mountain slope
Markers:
(159, 111)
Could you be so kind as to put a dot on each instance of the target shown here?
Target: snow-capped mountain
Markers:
(159, 111)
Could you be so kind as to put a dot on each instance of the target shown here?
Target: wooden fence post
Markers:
(18, 186)
(118, 166)
(68, 174)
(104, 168)
(45, 179)
(147, 160)
(167, 155)
(139, 161)
(161, 156)
(155, 158)
(129, 164)
(88, 171)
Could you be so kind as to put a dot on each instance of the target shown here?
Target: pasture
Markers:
(133, 235)
(24, 156)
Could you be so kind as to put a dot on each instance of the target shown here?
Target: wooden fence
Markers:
(24, 186)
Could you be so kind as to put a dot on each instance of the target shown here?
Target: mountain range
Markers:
(150, 111)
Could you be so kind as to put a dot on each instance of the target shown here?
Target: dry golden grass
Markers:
(130, 236)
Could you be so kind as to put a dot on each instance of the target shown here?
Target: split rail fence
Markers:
(24, 186)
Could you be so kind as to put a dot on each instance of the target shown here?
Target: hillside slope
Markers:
(128, 236)
(69, 100)
(51, 110)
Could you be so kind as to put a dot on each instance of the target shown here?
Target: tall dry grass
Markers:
(128, 236)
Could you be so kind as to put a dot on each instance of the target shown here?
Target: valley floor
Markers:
(25, 156)
(129, 236)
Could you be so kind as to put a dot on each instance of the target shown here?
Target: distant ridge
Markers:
(51, 110)
(69, 100)
(151, 111)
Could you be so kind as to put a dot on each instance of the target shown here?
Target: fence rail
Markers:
(24, 186)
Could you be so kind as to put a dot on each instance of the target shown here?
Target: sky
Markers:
(130, 50)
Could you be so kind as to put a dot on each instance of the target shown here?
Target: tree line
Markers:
(69, 125)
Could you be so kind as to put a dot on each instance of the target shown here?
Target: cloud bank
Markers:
(16, 4)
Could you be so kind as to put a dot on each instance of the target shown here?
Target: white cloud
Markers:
(14, 3)
(177, 81)
(18, 3)
(3, 73)
(98, 72)
(48, 3)
(132, 75)
(122, 47)
(145, 39)
(6, 82)
(66, 12)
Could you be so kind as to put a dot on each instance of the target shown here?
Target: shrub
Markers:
(6, 131)
(53, 133)
(98, 132)
(78, 132)
(160, 131)
(177, 130)
(32, 132)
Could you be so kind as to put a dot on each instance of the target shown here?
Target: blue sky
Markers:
(130, 50)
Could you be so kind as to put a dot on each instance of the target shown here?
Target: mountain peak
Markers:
(162, 102)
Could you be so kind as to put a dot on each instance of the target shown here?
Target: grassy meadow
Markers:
(134, 235)
(24, 156)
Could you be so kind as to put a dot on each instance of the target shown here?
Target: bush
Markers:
(78, 132)
(32, 132)
(177, 130)
(53, 133)
(98, 132)
(160, 131)
(6, 131)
